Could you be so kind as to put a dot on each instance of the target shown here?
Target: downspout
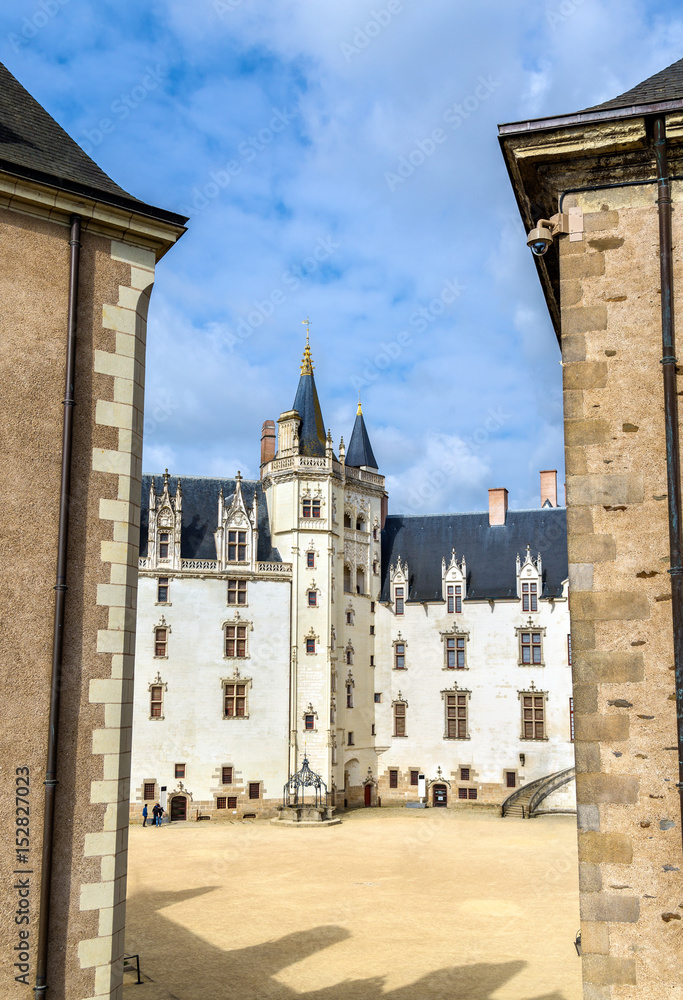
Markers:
(673, 470)
(58, 634)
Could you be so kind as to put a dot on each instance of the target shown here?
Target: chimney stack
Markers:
(267, 442)
(549, 487)
(498, 506)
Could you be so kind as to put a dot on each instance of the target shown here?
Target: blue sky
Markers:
(339, 160)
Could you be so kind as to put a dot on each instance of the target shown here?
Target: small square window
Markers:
(221, 802)
(414, 775)
(464, 774)
(393, 778)
(462, 793)
(237, 592)
(180, 770)
(254, 790)
(309, 721)
(471, 793)
(226, 775)
(162, 590)
(232, 802)
(148, 790)
(378, 697)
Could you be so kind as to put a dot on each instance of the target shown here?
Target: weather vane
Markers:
(306, 322)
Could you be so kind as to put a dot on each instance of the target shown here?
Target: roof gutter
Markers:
(591, 117)
(58, 632)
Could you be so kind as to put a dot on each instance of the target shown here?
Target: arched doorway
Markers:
(439, 796)
(178, 808)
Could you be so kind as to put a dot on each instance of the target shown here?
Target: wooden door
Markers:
(368, 795)
(178, 807)
(439, 795)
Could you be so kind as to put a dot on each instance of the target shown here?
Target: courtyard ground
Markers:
(400, 903)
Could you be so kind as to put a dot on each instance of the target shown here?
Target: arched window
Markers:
(347, 520)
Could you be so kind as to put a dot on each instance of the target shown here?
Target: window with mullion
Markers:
(398, 600)
(163, 545)
(533, 717)
(235, 700)
(237, 592)
(400, 718)
(237, 546)
(399, 656)
(160, 641)
(156, 699)
(531, 647)
(162, 590)
(456, 716)
(529, 597)
(454, 599)
(455, 652)
(236, 640)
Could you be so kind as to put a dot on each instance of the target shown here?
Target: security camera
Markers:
(541, 237)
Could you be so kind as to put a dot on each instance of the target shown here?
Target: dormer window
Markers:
(529, 597)
(454, 599)
(237, 546)
(163, 545)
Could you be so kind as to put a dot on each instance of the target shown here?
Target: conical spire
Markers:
(359, 452)
(312, 430)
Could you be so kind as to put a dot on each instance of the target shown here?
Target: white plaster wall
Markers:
(193, 730)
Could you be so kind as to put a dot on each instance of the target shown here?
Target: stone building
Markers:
(405, 657)
(78, 255)
(610, 284)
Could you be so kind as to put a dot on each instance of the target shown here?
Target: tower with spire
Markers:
(326, 512)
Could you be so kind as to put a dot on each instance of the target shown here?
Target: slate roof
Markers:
(360, 450)
(311, 428)
(667, 85)
(34, 146)
(490, 552)
(200, 514)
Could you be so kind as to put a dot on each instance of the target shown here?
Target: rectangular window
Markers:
(471, 793)
(455, 652)
(232, 802)
(237, 591)
(372, 659)
(349, 656)
(221, 802)
(413, 777)
(226, 776)
(531, 647)
(236, 640)
(310, 560)
(235, 701)
(398, 597)
(306, 508)
(462, 793)
(372, 607)
(309, 721)
(571, 719)
(510, 779)
(310, 645)
(349, 696)
(569, 650)
(533, 716)
(393, 778)
(313, 599)
(155, 701)
(378, 697)
(148, 792)
(315, 508)
(163, 545)
(349, 738)
(454, 598)
(160, 641)
(456, 716)
(399, 656)
(349, 617)
(162, 590)
(237, 546)
(254, 790)
(372, 630)
(180, 770)
(399, 719)
(529, 597)
(372, 730)
(464, 774)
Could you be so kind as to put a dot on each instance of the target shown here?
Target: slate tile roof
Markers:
(490, 552)
(200, 514)
(33, 145)
(667, 85)
(360, 450)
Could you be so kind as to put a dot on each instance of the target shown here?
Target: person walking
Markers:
(144, 815)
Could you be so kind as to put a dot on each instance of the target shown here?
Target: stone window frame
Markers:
(533, 692)
(237, 580)
(399, 702)
(155, 797)
(310, 713)
(237, 622)
(235, 679)
(237, 529)
(399, 641)
(454, 598)
(157, 683)
(349, 653)
(519, 630)
(163, 604)
(314, 589)
(456, 692)
(399, 597)
(224, 768)
(258, 785)
(314, 638)
(530, 596)
(455, 633)
(160, 625)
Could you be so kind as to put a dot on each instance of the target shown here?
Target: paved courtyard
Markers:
(407, 904)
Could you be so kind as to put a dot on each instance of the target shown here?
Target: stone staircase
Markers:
(524, 802)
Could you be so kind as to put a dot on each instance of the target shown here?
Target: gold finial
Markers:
(359, 411)
(307, 361)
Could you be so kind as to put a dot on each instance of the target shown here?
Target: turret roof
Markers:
(312, 439)
(360, 451)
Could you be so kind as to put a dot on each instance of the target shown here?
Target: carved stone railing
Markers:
(144, 562)
(363, 475)
(274, 567)
(308, 462)
(199, 564)
(212, 565)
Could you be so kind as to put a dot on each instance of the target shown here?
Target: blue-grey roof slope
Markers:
(360, 450)
(490, 552)
(200, 514)
(307, 405)
(667, 85)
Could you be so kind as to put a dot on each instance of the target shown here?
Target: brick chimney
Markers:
(549, 487)
(267, 441)
(498, 506)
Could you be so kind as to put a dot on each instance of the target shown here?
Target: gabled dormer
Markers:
(237, 532)
(165, 524)
(529, 581)
(399, 577)
(454, 583)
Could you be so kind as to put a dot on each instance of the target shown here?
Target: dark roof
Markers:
(360, 450)
(34, 146)
(667, 85)
(490, 552)
(311, 428)
(200, 514)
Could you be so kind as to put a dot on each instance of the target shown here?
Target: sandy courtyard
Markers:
(405, 904)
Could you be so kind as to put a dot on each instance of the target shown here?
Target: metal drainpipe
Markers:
(58, 635)
(673, 470)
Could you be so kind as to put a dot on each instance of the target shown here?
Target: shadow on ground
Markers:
(190, 968)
